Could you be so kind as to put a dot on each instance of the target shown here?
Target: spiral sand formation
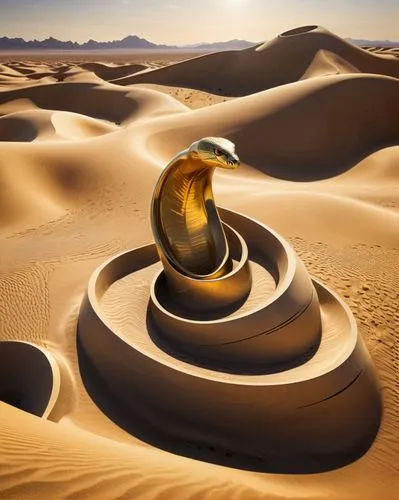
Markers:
(222, 361)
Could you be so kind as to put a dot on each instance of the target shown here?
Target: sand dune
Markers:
(79, 159)
(107, 72)
(54, 72)
(106, 102)
(303, 131)
(289, 57)
(326, 63)
(27, 126)
(384, 50)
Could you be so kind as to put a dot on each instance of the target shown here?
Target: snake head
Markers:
(215, 152)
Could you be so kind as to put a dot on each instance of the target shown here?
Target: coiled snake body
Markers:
(187, 229)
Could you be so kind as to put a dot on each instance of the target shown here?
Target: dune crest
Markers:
(308, 130)
(285, 59)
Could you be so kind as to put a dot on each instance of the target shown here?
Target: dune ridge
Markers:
(308, 136)
(287, 58)
(81, 148)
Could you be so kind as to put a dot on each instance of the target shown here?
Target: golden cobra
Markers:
(188, 232)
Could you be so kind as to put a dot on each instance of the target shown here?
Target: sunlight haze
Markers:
(191, 21)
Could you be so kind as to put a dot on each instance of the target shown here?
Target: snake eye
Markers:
(217, 152)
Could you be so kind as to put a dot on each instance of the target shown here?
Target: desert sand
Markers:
(83, 142)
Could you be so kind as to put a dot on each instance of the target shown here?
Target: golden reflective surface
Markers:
(186, 226)
(189, 234)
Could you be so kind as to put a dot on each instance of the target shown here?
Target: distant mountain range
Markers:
(129, 42)
(135, 42)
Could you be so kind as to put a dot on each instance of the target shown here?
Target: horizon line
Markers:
(175, 45)
(123, 38)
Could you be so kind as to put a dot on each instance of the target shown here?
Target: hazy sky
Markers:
(189, 21)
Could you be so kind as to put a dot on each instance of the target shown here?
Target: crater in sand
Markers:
(299, 31)
(29, 378)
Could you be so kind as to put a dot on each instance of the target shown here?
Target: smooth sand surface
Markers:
(291, 56)
(81, 148)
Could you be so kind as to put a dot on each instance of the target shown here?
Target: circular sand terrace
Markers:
(284, 379)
